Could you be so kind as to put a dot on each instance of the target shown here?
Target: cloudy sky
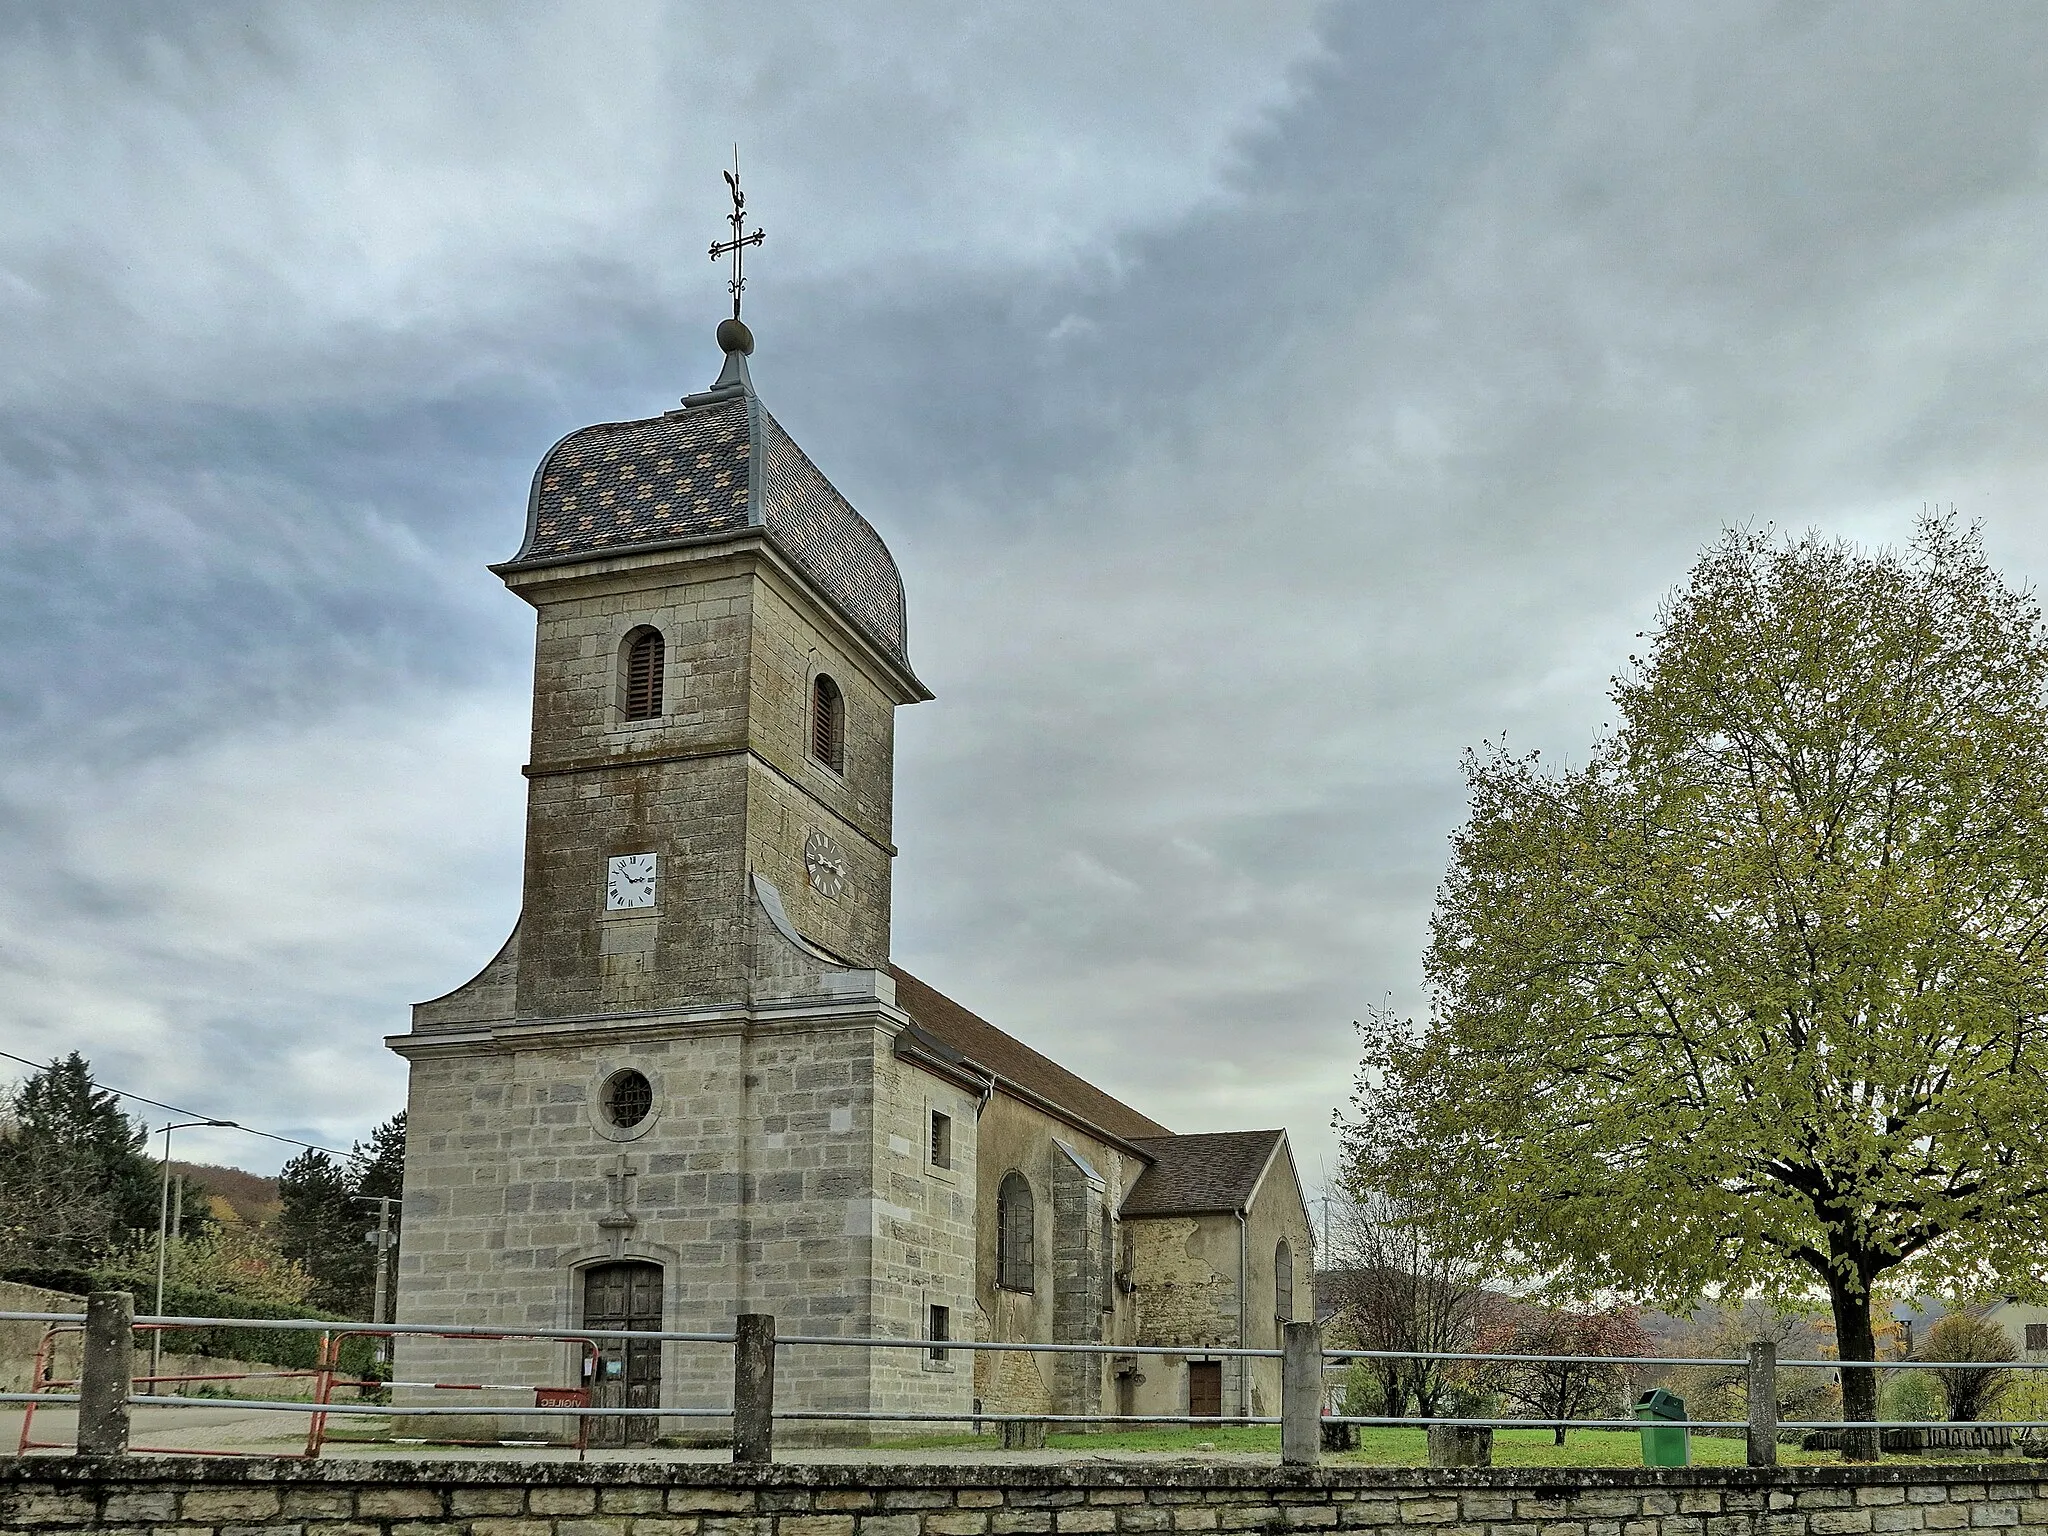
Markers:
(1265, 401)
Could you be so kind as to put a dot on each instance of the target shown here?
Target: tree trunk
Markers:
(1855, 1340)
(1557, 1434)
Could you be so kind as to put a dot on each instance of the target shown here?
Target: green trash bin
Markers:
(1666, 1440)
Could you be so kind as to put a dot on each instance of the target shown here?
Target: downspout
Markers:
(1244, 1280)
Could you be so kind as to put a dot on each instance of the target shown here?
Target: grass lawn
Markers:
(1392, 1447)
(1581, 1448)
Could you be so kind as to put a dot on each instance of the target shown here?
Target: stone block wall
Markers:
(815, 1205)
(1078, 1274)
(195, 1496)
(722, 782)
(923, 1241)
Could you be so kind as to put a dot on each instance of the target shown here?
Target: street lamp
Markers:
(163, 1226)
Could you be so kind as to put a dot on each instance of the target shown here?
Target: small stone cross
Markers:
(618, 1222)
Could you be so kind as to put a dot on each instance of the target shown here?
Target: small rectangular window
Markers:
(2037, 1336)
(942, 1140)
(940, 1327)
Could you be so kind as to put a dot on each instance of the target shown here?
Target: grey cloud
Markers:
(1260, 416)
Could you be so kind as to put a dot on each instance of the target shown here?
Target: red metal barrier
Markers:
(40, 1380)
(543, 1397)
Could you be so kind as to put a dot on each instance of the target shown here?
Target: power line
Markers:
(179, 1109)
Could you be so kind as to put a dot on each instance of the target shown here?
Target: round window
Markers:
(627, 1098)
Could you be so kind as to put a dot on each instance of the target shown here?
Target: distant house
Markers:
(2023, 1322)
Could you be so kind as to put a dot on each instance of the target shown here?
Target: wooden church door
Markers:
(628, 1370)
(1205, 1389)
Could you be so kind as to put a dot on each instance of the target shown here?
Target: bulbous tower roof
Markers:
(717, 468)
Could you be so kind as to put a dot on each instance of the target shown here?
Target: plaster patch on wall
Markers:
(865, 1217)
(1180, 1296)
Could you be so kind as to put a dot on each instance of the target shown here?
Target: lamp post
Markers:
(163, 1231)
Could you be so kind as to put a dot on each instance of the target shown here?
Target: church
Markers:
(692, 1084)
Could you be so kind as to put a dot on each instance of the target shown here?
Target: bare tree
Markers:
(1968, 1395)
(50, 1213)
(1569, 1388)
(1396, 1289)
(1725, 1331)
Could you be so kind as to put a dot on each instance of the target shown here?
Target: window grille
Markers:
(828, 723)
(643, 675)
(940, 1327)
(1015, 1235)
(2037, 1336)
(942, 1140)
(628, 1098)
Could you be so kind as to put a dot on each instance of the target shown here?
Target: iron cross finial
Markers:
(736, 247)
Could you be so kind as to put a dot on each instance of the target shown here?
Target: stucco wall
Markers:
(19, 1343)
(1017, 1136)
(1186, 1271)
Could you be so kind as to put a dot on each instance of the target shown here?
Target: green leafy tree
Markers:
(1754, 1001)
(326, 1220)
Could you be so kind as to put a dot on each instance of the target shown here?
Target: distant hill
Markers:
(249, 1196)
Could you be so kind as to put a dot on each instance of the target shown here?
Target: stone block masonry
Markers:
(198, 1496)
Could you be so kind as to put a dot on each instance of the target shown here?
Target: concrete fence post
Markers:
(1762, 1383)
(108, 1374)
(1301, 1394)
(753, 1388)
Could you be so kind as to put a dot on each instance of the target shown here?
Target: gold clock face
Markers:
(825, 864)
(629, 882)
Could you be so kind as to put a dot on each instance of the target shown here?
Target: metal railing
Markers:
(105, 1389)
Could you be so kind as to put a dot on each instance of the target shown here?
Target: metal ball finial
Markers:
(733, 336)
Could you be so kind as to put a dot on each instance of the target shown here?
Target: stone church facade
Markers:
(692, 1085)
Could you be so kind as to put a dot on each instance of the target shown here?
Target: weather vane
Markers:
(736, 247)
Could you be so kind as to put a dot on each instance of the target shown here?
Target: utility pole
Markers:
(380, 1301)
(163, 1237)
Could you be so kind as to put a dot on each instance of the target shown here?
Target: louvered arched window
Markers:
(1016, 1231)
(828, 723)
(640, 689)
(1283, 1283)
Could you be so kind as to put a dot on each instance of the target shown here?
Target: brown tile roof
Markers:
(1197, 1175)
(1015, 1062)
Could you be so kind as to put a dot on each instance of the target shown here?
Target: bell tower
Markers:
(678, 1091)
(720, 653)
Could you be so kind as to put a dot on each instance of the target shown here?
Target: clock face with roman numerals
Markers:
(629, 882)
(825, 864)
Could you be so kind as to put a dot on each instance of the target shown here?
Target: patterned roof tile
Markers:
(710, 470)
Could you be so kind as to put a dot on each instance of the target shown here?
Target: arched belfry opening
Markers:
(828, 723)
(640, 675)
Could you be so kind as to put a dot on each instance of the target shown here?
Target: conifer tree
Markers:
(326, 1220)
(75, 1180)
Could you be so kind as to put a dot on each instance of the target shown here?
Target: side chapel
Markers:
(691, 1084)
